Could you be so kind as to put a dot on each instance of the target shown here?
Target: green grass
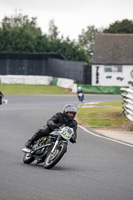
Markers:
(31, 89)
(111, 116)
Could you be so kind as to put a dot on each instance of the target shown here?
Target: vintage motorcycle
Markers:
(49, 149)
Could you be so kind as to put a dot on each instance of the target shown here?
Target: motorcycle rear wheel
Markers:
(53, 158)
(28, 158)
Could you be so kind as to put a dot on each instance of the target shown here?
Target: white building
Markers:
(112, 62)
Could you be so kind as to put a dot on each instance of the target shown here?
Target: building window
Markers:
(113, 68)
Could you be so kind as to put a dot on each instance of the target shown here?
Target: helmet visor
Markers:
(70, 114)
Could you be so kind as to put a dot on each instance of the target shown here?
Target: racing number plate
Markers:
(66, 133)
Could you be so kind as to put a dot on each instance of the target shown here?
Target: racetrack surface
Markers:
(92, 169)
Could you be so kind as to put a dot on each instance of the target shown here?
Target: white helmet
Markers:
(79, 88)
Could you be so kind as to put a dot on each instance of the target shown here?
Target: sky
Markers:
(70, 16)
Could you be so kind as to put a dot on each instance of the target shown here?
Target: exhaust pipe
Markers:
(25, 150)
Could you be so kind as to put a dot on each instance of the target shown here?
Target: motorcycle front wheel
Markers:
(28, 158)
(53, 158)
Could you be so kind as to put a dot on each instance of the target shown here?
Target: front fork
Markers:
(56, 143)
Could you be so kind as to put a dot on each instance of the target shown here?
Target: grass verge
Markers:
(107, 115)
(32, 89)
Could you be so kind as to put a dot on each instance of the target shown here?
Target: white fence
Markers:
(127, 97)
(37, 80)
(21, 79)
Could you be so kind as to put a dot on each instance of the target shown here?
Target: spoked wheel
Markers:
(28, 158)
(53, 158)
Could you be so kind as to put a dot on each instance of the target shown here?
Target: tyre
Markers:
(81, 99)
(28, 158)
(53, 158)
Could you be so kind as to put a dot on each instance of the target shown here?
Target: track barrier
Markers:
(127, 97)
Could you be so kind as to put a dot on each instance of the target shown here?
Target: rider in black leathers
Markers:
(66, 118)
(1, 96)
(79, 90)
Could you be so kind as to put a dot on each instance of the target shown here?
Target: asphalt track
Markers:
(92, 169)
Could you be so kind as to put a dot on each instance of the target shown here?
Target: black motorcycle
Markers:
(49, 150)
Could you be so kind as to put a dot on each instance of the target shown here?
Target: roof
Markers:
(113, 49)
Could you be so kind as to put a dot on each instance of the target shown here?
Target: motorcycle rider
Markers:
(80, 91)
(65, 118)
(1, 96)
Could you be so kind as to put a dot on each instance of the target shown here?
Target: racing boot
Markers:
(31, 141)
(40, 133)
(28, 144)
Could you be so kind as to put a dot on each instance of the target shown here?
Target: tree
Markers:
(53, 30)
(87, 38)
(21, 34)
(74, 51)
(124, 26)
(20, 21)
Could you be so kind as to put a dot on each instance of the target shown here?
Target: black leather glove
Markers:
(72, 140)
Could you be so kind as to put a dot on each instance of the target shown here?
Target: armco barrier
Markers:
(127, 97)
(67, 83)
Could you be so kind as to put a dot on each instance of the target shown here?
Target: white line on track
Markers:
(106, 138)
